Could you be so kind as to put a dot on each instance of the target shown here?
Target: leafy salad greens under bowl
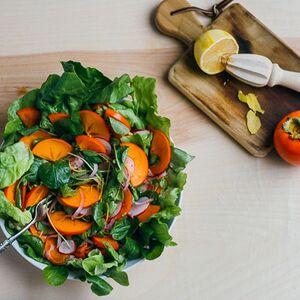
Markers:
(100, 154)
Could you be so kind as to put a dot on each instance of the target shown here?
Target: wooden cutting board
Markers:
(217, 95)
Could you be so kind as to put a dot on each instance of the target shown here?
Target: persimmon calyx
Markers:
(292, 127)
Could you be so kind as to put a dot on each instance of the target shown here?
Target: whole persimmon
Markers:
(287, 138)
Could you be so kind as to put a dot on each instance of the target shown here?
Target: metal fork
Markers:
(40, 212)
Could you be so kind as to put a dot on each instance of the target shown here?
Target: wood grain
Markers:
(217, 95)
(21, 73)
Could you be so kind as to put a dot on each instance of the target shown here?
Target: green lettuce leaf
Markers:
(144, 96)
(158, 122)
(55, 174)
(15, 160)
(120, 229)
(115, 91)
(180, 159)
(8, 210)
(120, 277)
(142, 139)
(91, 77)
(129, 114)
(14, 122)
(99, 286)
(55, 275)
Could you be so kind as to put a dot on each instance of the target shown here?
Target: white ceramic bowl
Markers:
(41, 266)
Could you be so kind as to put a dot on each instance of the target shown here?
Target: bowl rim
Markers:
(129, 265)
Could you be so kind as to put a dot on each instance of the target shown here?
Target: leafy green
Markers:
(31, 253)
(131, 249)
(168, 197)
(158, 122)
(161, 232)
(8, 210)
(67, 191)
(91, 77)
(167, 213)
(113, 92)
(154, 251)
(99, 286)
(120, 229)
(98, 213)
(144, 94)
(118, 127)
(176, 179)
(32, 173)
(180, 159)
(14, 122)
(94, 264)
(15, 160)
(34, 242)
(70, 127)
(55, 275)
(142, 139)
(129, 114)
(56, 174)
(120, 277)
(64, 93)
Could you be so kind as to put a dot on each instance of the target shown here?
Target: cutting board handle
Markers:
(185, 27)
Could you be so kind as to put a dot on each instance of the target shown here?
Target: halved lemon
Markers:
(210, 49)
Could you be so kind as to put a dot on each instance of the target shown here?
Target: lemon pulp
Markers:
(211, 48)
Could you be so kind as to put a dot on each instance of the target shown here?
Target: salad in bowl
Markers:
(102, 157)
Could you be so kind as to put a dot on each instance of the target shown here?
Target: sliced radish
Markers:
(94, 172)
(86, 211)
(106, 144)
(150, 174)
(125, 185)
(75, 163)
(138, 209)
(145, 131)
(80, 207)
(129, 164)
(143, 200)
(108, 226)
(67, 247)
(59, 240)
(52, 205)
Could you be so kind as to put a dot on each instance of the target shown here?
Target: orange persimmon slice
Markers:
(160, 146)
(10, 193)
(57, 116)
(29, 139)
(52, 149)
(140, 170)
(65, 225)
(126, 205)
(83, 250)
(118, 117)
(52, 254)
(94, 125)
(36, 194)
(89, 143)
(88, 193)
(150, 210)
(29, 116)
(99, 242)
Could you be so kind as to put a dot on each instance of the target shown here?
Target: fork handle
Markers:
(6, 243)
(285, 78)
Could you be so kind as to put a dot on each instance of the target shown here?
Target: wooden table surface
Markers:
(239, 234)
